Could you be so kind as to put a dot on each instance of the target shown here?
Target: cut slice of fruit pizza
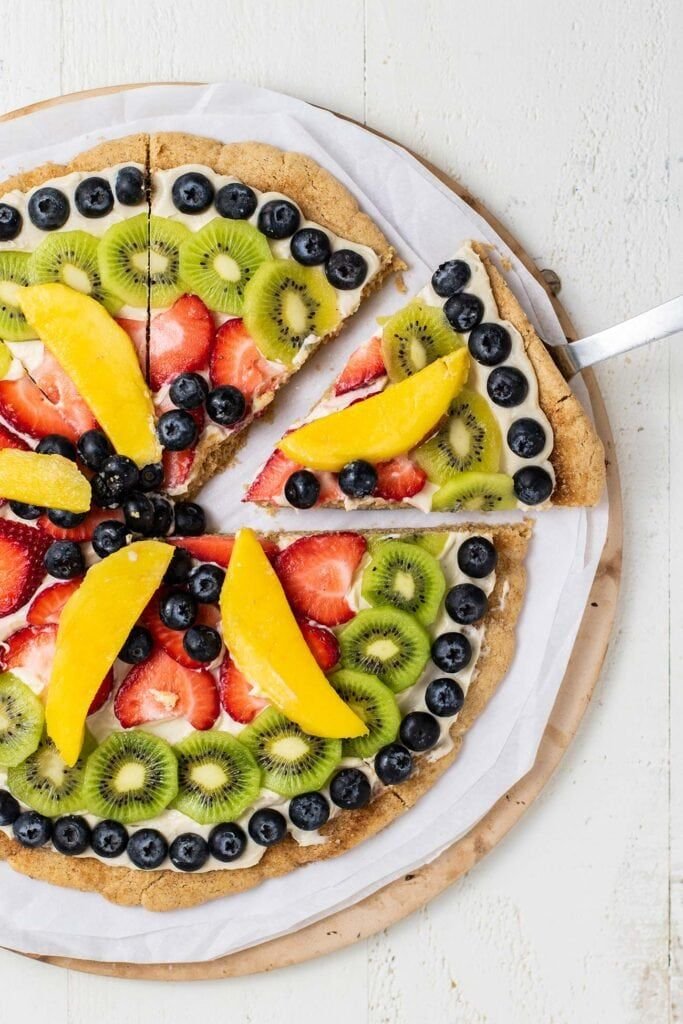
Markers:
(454, 403)
(206, 703)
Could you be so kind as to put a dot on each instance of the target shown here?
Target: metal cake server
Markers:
(657, 323)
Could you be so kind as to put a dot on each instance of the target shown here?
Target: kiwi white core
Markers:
(208, 776)
(404, 584)
(226, 267)
(289, 748)
(130, 777)
(9, 293)
(383, 648)
(76, 278)
(295, 312)
(418, 356)
(51, 766)
(158, 263)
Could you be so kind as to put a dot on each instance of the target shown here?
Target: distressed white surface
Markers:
(567, 119)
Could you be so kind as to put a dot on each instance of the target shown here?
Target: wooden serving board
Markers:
(405, 895)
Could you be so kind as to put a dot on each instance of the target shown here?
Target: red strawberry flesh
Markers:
(47, 606)
(160, 689)
(365, 365)
(316, 573)
(237, 698)
(179, 340)
(22, 549)
(236, 360)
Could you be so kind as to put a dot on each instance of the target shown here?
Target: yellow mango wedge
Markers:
(265, 642)
(100, 358)
(93, 627)
(49, 480)
(385, 425)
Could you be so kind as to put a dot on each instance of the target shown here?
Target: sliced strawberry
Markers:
(316, 573)
(237, 697)
(364, 366)
(330, 491)
(63, 393)
(236, 360)
(179, 340)
(103, 694)
(171, 640)
(217, 548)
(270, 483)
(398, 479)
(137, 332)
(27, 409)
(160, 689)
(8, 439)
(48, 604)
(22, 549)
(322, 643)
(84, 530)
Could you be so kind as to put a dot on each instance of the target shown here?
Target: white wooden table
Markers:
(567, 119)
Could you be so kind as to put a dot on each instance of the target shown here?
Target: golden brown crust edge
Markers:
(169, 890)
(131, 149)
(578, 456)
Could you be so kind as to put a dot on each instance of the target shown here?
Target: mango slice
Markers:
(93, 626)
(49, 480)
(266, 644)
(384, 425)
(99, 357)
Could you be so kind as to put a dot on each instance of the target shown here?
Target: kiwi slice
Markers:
(21, 720)
(469, 440)
(14, 273)
(219, 261)
(70, 257)
(217, 777)
(165, 238)
(291, 761)
(405, 576)
(46, 783)
(132, 776)
(433, 541)
(374, 703)
(415, 337)
(388, 643)
(123, 260)
(284, 304)
(476, 492)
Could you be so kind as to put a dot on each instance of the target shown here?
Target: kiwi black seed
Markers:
(415, 337)
(405, 576)
(219, 260)
(21, 720)
(71, 258)
(46, 783)
(468, 440)
(388, 643)
(291, 761)
(217, 777)
(14, 274)
(132, 776)
(374, 703)
(476, 492)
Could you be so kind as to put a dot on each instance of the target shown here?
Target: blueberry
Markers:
(444, 697)
(9, 808)
(190, 520)
(138, 513)
(358, 479)
(138, 646)
(120, 475)
(108, 537)
(350, 789)
(490, 344)
(102, 495)
(450, 277)
(64, 560)
(477, 557)
(71, 835)
(393, 764)
(278, 218)
(507, 386)
(179, 566)
(419, 731)
(56, 444)
(203, 643)
(302, 489)
(48, 209)
(227, 842)
(188, 390)
(205, 583)
(526, 438)
(163, 516)
(24, 511)
(189, 852)
(109, 839)
(10, 222)
(267, 827)
(533, 485)
(32, 829)
(147, 849)
(64, 519)
(309, 811)
(466, 603)
(236, 201)
(94, 448)
(192, 192)
(310, 246)
(130, 186)
(346, 269)
(151, 477)
(94, 197)
(177, 430)
(226, 405)
(178, 610)
(464, 311)
(451, 652)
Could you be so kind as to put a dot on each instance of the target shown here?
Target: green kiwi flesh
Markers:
(219, 260)
(388, 643)
(291, 761)
(123, 260)
(374, 703)
(476, 492)
(71, 258)
(404, 576)
(469, 440)
(46, 783)
(217, 777)
(14, 274)
(21, 720)
(131, 777)
(414, 337)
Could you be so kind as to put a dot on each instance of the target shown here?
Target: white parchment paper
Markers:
(426, 222)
